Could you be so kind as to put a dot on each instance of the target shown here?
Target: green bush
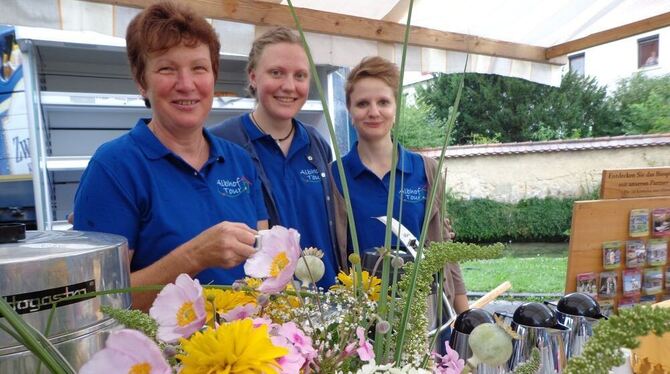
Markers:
(530, 220)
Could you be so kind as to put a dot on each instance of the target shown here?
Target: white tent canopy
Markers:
(532, 22)
(521, 38)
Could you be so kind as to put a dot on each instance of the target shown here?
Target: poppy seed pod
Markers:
(397, 262)
(490, 344)
(383, 327)
(310, 269)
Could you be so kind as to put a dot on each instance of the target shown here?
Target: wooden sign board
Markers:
(598, 221)
(627, 183)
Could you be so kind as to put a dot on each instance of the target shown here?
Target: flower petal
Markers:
(124, 349)
(179, 309)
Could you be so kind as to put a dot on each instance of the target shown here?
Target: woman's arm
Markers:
(225, 245)
(105, 202)
(461, 303)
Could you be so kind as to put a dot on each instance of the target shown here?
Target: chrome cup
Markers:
(581, 330)
(460, 335)
(580, 313)
(549, 341)
(537, 327)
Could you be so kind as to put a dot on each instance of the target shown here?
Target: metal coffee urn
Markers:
(48, 266)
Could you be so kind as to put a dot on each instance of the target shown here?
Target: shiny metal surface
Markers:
(77, 351)
(550, 342)
(437, 324)
(581, 330)
(50, 265)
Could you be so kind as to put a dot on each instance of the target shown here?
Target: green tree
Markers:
(515, 110)
(643, 104)
(419, 127)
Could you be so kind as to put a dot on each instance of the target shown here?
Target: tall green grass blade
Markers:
(438, 316)
(429, 206)
(146, 288)
(380, 340)
(34, 341)
(10, 331)
(333, 139)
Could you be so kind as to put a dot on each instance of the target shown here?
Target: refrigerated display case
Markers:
(16, 190)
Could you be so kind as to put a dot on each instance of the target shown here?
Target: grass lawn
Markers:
(530, 267)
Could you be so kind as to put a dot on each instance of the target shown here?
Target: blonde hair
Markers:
(373, 67)
(270, 37)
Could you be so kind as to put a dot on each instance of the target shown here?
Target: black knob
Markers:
(12, 232)
(579, 304)
(471, 318)
(536, 315)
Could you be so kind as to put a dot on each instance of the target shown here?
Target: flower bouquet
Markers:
(277, 321)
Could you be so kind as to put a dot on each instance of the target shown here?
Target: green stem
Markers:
(419, 253)
(438, 316)
(383, 310)
(35, 342)
(316, 294)
(333, 139)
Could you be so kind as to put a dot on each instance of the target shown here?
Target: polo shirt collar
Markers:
(153, 149)
(251, 129)
(215, 148)
(353, 161)
(300, 138)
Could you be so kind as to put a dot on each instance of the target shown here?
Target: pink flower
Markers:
(127, 351)
(364, 349)
(300, 341)
(179, 309)
(262, 321)
(276, 259)
(240, 312)
(293, 361)
(450, 363)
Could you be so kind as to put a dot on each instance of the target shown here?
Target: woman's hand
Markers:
(449, 229)
(225, 245)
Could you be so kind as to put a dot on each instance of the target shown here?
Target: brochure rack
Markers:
(598, 221)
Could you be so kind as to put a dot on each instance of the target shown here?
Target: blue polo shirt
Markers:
(136, 187)
(369, 196)
(297, 190)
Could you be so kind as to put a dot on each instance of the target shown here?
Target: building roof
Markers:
(610, 142)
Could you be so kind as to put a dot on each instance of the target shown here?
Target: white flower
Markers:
(388, 368)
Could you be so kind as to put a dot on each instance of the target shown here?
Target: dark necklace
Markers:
(277, 140)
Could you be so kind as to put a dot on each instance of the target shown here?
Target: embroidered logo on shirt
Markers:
(310, 175)
(413, 195)
(233, 187)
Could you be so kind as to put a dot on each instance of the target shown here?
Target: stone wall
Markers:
(503, 175)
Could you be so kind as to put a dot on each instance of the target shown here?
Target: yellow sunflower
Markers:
(224, 301)
(371, 285)
(235, 347)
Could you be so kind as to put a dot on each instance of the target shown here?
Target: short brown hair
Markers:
(162, 26)
(373, 67)
(274, 36)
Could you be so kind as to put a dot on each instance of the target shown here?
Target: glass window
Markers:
(577, 63)
(647, 51)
